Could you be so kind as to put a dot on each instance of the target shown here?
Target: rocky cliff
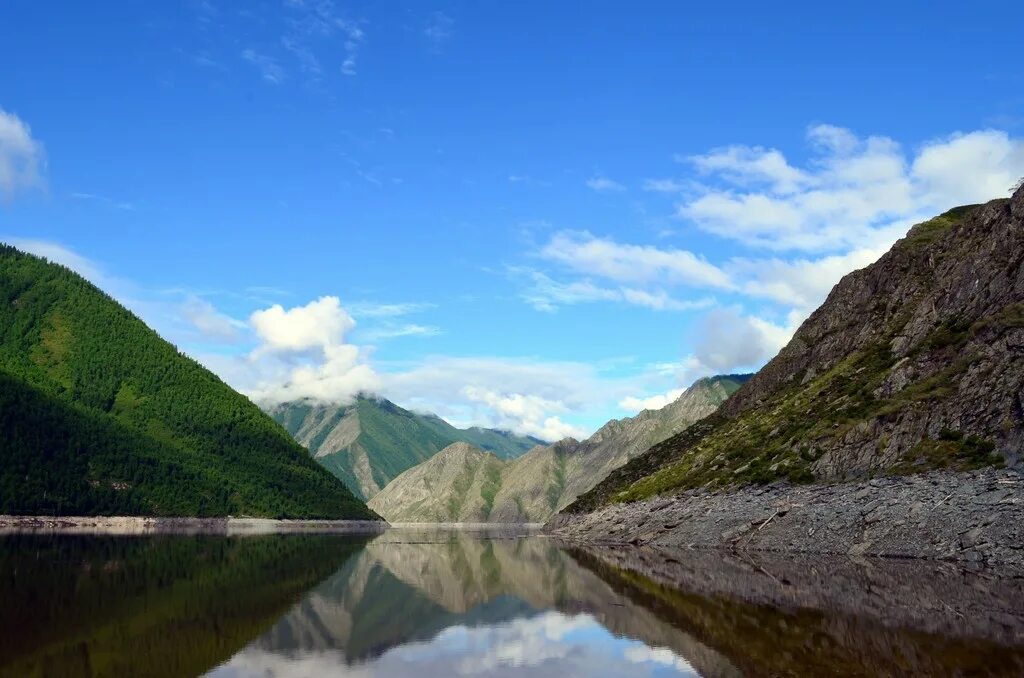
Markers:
(912, 364)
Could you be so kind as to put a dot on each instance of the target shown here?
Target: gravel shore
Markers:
(127, 525)
(974, 517)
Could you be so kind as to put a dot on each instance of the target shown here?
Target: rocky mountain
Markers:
(369, 442)
(464, 484)
(99, 415)
(913, 364)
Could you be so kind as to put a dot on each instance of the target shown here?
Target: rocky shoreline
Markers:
(973, 517)
(140, 525)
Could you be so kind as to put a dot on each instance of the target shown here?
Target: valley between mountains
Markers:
(891, 424)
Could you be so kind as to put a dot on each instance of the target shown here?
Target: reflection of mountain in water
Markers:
(400, 590)
(725, 616)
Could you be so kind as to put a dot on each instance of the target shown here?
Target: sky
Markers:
(535, 216)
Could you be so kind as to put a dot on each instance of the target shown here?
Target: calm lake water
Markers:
(455, 604)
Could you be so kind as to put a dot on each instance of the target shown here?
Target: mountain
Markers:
(915, 363)
(370, 441)
(465, 484)
(99, 415)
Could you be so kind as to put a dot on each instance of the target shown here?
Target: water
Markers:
(454, 604)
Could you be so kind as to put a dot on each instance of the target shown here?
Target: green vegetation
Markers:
(952, 450)
(98, 415)
(490, 486)
(557, 483)
(783, 434)
(933, 229)
(392, 438)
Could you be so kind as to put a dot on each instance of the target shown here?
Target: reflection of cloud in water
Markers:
(549, 644)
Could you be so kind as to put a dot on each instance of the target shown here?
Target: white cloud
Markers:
(368, 309)
(22, 159)
(587, 254)
(547, 294)
(318, 324)
(210, 322)
(303, 354)
(854, 193)
(395, 331)
(600, 183)
(967, 168)
(743, 164)
(529, 414)
(61, 255)
(655, 402)
(801, 283)
(525, 395)
(729, 341)
(320, 20)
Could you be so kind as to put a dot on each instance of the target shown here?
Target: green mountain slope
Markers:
(913, 363)
(99, 415)
(464, 484)
(371, 441)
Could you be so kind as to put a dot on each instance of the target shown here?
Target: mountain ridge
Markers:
(535, 485)
(370, 441)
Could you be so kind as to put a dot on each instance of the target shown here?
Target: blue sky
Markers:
(529, 215)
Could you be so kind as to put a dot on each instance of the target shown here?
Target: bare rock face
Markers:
(452, 486)
(914, 363)
(462, 485)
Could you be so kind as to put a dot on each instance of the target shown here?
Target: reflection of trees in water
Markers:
(120, 606)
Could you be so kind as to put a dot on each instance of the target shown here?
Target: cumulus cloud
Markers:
(22, 159)
(729, 341)
(600, 183)
(303, 354)
(854, 192)
(966, 168)
(321, 323)
(529, 414)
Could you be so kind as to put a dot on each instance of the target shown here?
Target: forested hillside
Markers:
(99, 415)
(369, 442)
